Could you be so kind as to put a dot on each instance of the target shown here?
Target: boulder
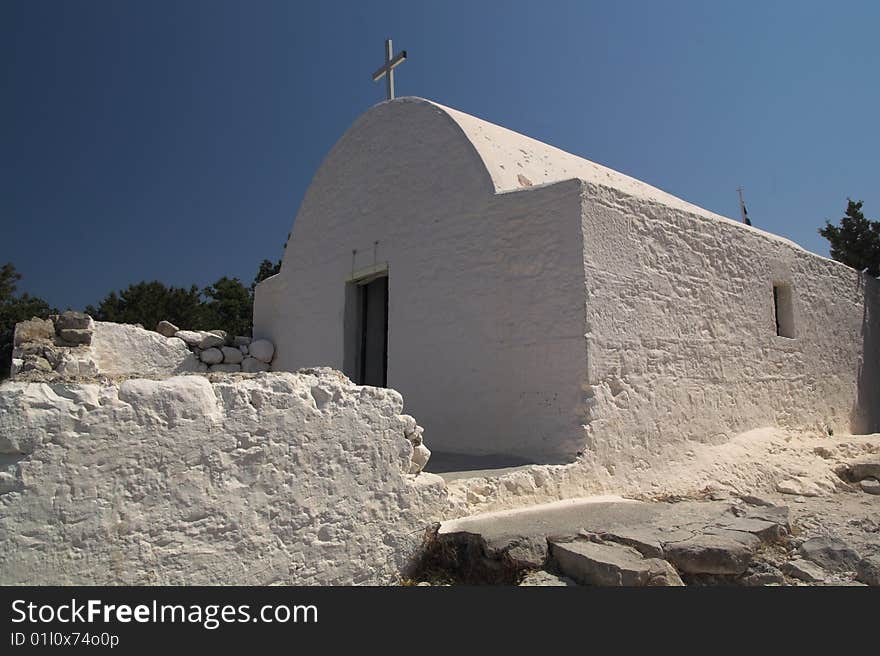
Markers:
(244, 349)
(167, 329)
(240, 340)
(609, 564)
(868, 570)
(252, 365)
(414, 433)
(33, 330)
(420, 457)
(804, 570)
(262, 349)
(211, 356)
(123, 349)
(190, 337)
(72, 320)
(721, 552)
(232, 355)
(870, 485)
(831, 554)
(211, 340)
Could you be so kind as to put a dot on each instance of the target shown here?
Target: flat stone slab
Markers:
(804, 570)
(831, 554)
(706, 537)
(720, 552)
(867, 466)
(610, 564)
(645, 541)
(524, 531)
(760, 528)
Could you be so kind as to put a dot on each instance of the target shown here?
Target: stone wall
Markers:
(60, 344)
(485, 299)
(682, 340)
(72, 345)
(254, 479)
(218, 351)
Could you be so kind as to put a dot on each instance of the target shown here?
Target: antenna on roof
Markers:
(742, 207)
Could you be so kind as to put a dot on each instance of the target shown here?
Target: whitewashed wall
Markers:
(485, 292)
(591, 311)
(275, 478)
(681, 332)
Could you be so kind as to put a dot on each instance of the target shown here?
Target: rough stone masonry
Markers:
(251, 479)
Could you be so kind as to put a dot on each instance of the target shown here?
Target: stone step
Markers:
(610, 564)
(610, 540)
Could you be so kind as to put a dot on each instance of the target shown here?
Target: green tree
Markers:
(15, 308)
(267, 269)
(228, 306)
(856, 241)
(148, 303)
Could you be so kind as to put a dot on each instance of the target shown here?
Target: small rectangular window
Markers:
(783, 308)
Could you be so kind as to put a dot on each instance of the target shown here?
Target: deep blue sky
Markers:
(175, 140)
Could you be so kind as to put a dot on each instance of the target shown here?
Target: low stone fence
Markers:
(251, 479)
(58, 344)
(221, 352)
(73, 345)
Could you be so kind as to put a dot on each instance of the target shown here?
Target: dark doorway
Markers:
(372, 338)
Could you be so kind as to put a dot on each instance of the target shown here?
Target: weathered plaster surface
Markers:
(274, 478)
(681, 329)
(526, 321)
(485, 314)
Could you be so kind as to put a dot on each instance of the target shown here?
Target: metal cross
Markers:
(388, 69)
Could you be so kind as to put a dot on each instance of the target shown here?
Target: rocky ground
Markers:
(799, 534)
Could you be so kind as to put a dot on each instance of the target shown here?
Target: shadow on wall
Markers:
(866, 412)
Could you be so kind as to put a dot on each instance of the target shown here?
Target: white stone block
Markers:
(122, 349)
(262, 349)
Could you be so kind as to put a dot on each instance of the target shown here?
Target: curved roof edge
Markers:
(516, 162)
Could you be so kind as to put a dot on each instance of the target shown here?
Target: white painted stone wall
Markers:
(542, 305)
(485, 298)
(681, 330)
(273, 478)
